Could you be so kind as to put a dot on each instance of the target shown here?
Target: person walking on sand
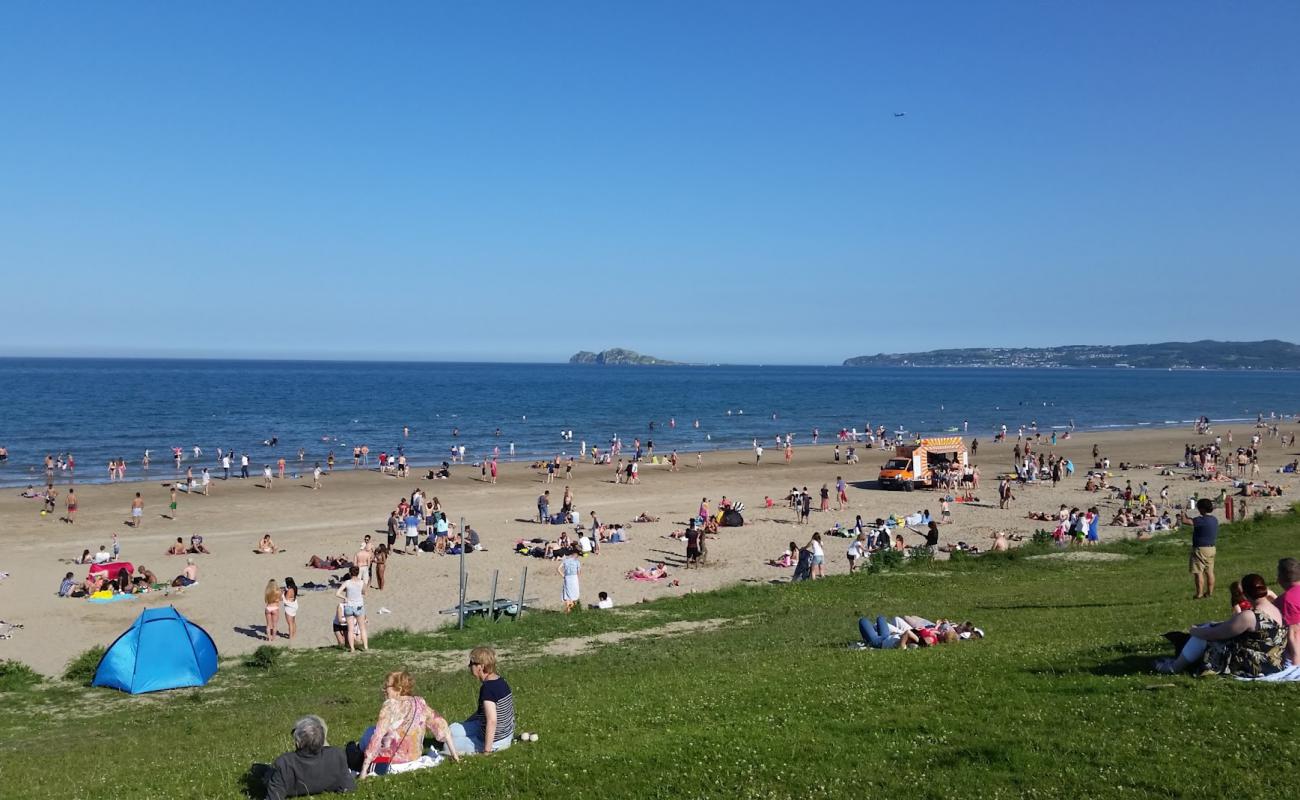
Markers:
(243, 465)
(173, 506)
(568, 569)
(137, 510)
(72, 506)
(758, 454)
(841, 489)
(315, 476)
(266, 476)
(272, 595)
(280, 467)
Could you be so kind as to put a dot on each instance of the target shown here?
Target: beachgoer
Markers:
(397, 737)
(272, 595)
(1205, 535)
(312, 767)
(492, 727)
(363, 558)
(1249, 644)
(189, 576)
(886, 634)
(857, 550)
(352, 593)
(289, 605)
(137, 511)
(380, 564)
(1288, 577)
(568, 568)
(814, 546)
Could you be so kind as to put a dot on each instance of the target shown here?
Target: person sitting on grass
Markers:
(1249, 644)
(492, 728)
(397, 737)
(312, 767)
(603, 601)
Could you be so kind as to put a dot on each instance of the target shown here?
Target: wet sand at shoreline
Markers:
(228, 599)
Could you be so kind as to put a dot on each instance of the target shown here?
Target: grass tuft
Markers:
(81, 670)
(16, 676)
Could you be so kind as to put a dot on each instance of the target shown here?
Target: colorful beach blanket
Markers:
(112, 598)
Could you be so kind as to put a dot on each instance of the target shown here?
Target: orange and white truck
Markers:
(914, 464)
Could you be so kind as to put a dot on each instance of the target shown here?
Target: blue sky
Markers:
(699, 181)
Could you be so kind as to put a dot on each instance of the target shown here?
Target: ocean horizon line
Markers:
(566, 363)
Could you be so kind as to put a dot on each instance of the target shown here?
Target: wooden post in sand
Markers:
(460, 608)
(492, 604)
(523, 584)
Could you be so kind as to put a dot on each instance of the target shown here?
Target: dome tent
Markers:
(161, 650)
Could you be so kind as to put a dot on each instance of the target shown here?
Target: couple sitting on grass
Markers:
(911, 631)
(1260, 637)
(396, 742)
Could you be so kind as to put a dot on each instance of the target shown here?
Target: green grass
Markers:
(15, 676)
(1058, 701)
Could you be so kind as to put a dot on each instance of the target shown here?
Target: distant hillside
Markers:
(618, 357)
(1270, 354)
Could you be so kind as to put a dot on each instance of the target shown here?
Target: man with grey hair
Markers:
(312, 767)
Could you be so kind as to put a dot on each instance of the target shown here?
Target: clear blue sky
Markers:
(699, 181)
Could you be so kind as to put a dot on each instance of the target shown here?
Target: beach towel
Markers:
(99, 597)
(1287, 675)
(641, 576)
(113, 568)
(432, 759)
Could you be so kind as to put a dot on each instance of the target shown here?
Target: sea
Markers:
(102, 409)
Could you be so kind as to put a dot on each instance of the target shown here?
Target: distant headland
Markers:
(1204, 354)
(618, 357)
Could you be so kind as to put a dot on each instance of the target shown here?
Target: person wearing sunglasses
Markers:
(492, 727)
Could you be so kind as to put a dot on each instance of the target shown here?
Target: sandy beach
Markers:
(228, 598)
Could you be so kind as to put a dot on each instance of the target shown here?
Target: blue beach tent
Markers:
(161, 650)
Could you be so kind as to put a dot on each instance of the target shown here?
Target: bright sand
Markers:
(228, 599)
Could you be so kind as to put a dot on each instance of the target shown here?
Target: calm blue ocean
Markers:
(101, 409)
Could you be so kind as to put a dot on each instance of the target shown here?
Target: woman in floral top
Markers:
(398, 735)
(1249, 644)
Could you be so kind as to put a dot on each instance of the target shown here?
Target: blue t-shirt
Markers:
(498, 691)
(1205, 531)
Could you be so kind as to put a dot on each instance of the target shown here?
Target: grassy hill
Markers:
(750, 692)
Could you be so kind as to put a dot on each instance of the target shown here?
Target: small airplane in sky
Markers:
(900, 113)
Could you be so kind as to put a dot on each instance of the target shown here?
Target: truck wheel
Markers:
(907, 486)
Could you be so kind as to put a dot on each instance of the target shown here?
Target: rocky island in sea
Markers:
(619, 357)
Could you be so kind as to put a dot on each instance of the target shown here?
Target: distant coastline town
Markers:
(1272, 354)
